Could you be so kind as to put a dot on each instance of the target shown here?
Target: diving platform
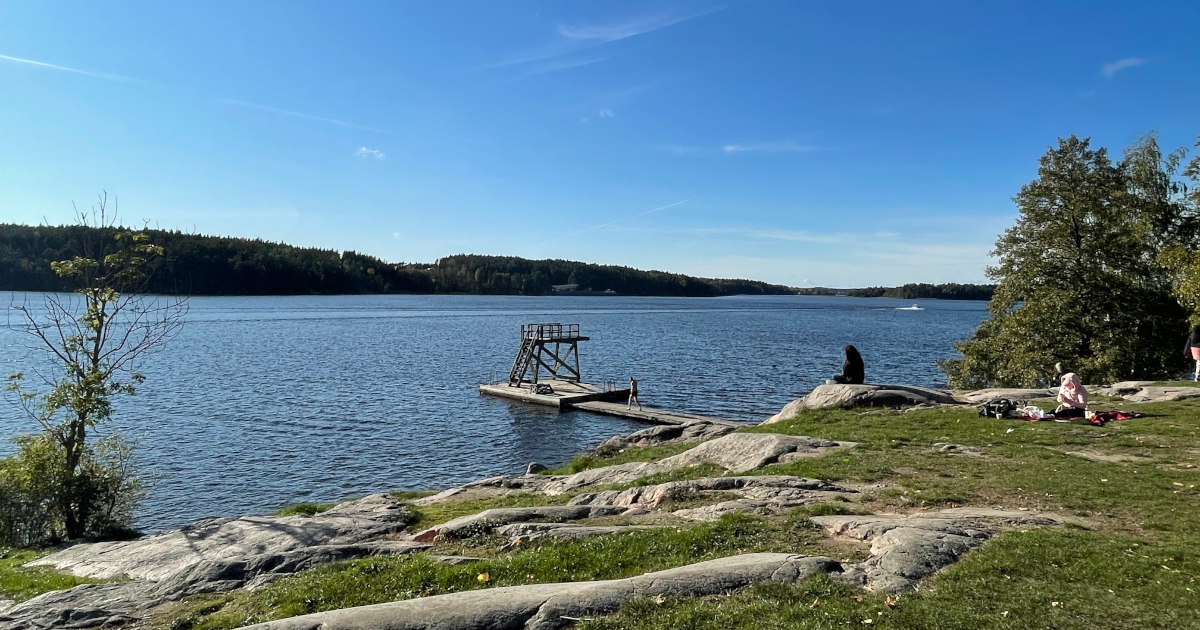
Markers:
(555, 393)
(546, 372)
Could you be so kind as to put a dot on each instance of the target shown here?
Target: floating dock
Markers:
(568, 395)
(554, 349)
(561, 394)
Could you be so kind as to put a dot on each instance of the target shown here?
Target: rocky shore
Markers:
(247, 553)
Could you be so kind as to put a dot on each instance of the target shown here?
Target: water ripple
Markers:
(263, 401)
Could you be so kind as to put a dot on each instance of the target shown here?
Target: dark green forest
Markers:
(211, 265)
(914, 291)
(929, 291)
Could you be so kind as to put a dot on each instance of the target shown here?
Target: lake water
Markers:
(264, 401)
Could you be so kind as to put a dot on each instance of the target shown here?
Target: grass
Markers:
(20, 583)
(1133, 563)
(1130, 560)
(1024, 465)
(1044, 578)
(588, 461)
(304, 508)
(429, 515)
(383, 579)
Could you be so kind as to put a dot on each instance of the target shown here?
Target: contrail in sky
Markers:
(42, 64)
(288, 112)
(223, 101)
(632, 216)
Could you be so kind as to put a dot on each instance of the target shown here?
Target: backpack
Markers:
(1000, 408)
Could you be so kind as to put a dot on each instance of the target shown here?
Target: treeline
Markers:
(950, 291)
(914, 291)
(209, 265)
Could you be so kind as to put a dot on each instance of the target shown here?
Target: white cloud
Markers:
(40, 64)
(1110, 69)
(778, 146)
(375, 153)
(603, 113)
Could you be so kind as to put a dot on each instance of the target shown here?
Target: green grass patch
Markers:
(20, 583)
(588, 461)
(1046, 578)
(409, 495)
(430, 515)
(1024, 464)
(1140, 524)
(697, 471)
(384, 579)
(304, 508)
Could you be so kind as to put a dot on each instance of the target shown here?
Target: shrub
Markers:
(32, 498)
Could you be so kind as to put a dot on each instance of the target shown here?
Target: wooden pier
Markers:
(566, 395)
(554, 349)
(554, 393)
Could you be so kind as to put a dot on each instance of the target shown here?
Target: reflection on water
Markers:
(262, 401)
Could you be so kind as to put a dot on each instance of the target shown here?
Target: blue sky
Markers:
(836, 144)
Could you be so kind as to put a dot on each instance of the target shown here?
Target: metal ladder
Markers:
(522, 363)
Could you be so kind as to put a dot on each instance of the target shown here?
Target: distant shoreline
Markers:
(195, 264)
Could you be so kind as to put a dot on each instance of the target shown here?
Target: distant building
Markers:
(573, 289)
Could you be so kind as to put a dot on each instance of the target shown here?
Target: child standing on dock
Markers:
(633, 394)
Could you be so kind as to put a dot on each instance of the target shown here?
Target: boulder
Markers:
(488, 520)
(736, 452)
(840, 395)
(556, 606)
(158, 556)
(769, 491)
(211, 555)
(86, 606)
(981, 396)
(667, 434)
(569, 531)
(1147, 392)
(534, 468)
(216, 576)
(905, 549)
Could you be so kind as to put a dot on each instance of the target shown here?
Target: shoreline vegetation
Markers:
(1125, 556)
(211, 265)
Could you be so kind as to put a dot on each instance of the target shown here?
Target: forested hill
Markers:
(950, 291)
(210, 265)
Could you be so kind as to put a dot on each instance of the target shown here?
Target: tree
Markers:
(1078, 279)
(95, 340)
(1181, 260)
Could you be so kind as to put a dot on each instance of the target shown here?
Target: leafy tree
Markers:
(95, 340)
(1078, 279)
(1182, 261)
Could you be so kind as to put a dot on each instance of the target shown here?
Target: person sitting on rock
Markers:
(1072, 397)
(853, 370)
